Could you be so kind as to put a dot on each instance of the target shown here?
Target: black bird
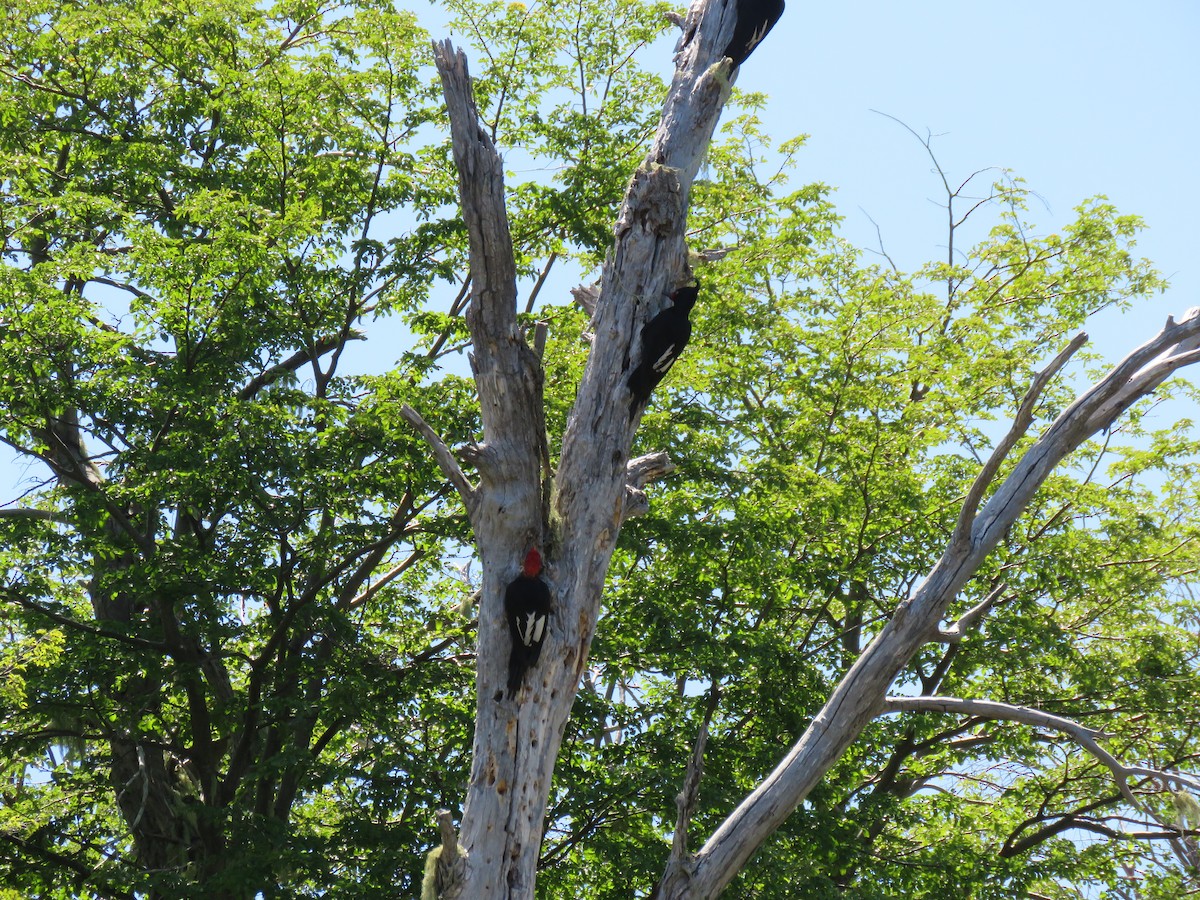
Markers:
(663, 339)
(526, 606)
(754, 19)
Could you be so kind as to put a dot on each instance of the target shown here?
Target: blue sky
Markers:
(1077, 98)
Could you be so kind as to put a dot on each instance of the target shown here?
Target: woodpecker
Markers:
(754, 19)
(663, 339)
(526, 606)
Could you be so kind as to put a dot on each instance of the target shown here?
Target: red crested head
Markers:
(533, 563)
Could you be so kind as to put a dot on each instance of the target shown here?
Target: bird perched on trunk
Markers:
(754, 19)
(526, 606)
(663, 339)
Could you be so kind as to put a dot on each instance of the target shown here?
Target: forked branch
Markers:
(1020, 425)
(968, 620)
(861, 695)
(1083, 736)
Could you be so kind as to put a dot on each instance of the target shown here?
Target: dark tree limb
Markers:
(68, 457)
(45, 515)
(386, 578)
(85, 874)
(14, 596)
(296, 361)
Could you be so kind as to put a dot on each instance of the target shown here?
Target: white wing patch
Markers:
(531, 627)
(664, 361)
(757, 36)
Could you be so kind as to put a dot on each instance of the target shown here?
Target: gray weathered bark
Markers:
(1087, 738)
(597, 487)
(501, 826)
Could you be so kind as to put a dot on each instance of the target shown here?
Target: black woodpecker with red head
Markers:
(754, 19)
(663, 339)
(526, 606)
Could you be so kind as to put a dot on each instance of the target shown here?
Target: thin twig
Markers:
(441, 453)
(968, 620)
(1024, 418)
(541, 280)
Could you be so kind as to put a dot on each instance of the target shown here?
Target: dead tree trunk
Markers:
(596, 486)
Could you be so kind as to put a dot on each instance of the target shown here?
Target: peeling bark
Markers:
(517, 741)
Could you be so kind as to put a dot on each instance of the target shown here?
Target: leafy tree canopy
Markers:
(238, 648)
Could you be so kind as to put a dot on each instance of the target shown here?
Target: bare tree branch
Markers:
(640, 472)
(860, 696)
(1085, 737)
(991, 709)
(1021, 423)
(679, 863)
(507, 374)
(387, 578)
(968, 620)
(541, 280)
(510, 779)
(586, 295)
(444, 881)
(541, 331)
(442, 455)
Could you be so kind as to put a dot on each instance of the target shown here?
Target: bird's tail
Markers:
(639, 390)
(517, 664)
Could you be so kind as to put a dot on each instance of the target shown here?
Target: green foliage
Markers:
(826, 422)
(559, 84)
(203, 206)
(233, 659)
